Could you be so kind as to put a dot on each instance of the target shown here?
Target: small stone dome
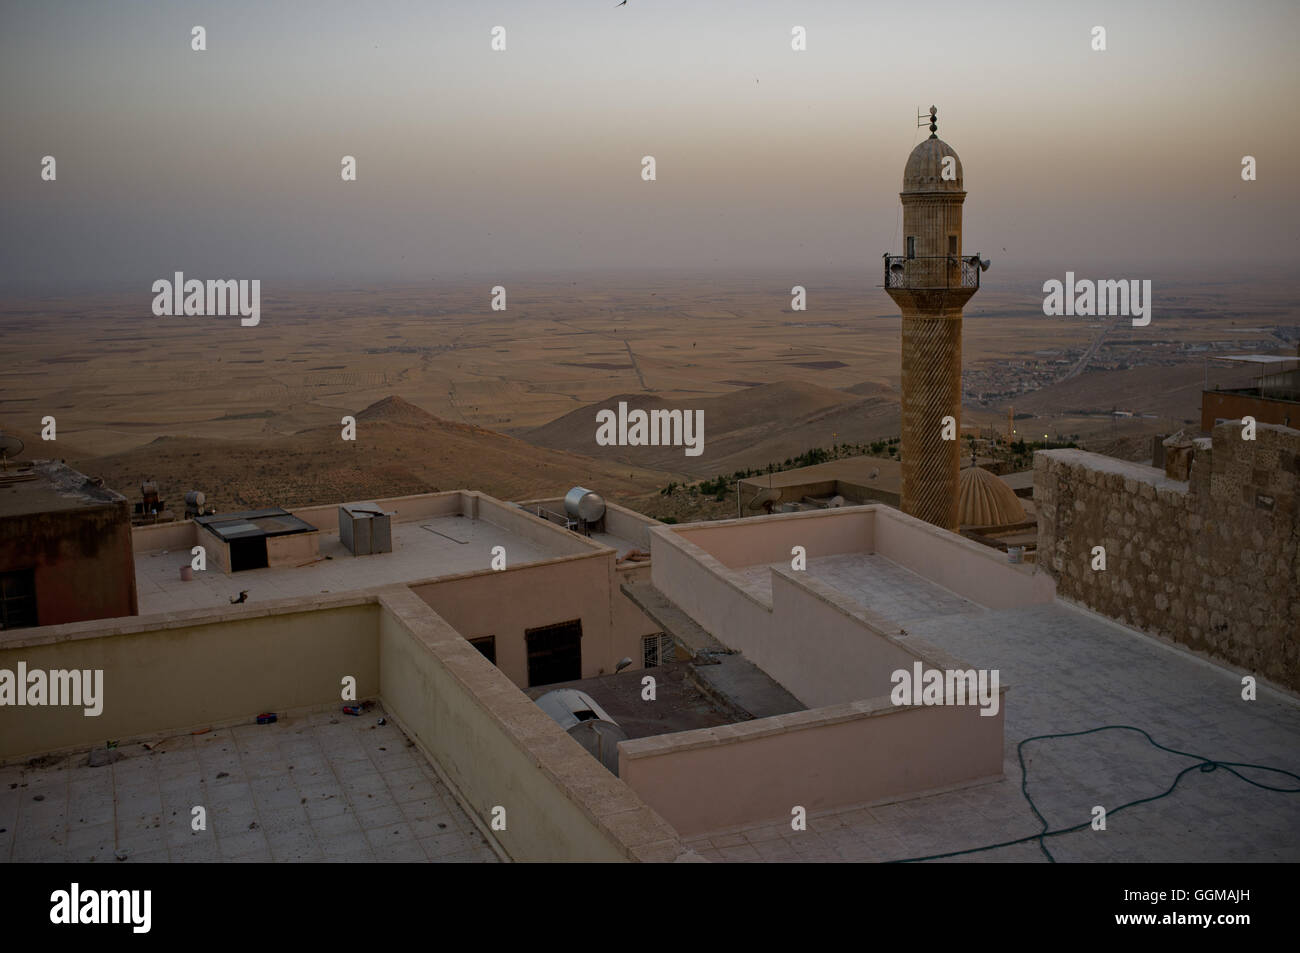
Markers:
(925, 167)
(985, 500)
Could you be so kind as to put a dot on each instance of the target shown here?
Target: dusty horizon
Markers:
(226, 162)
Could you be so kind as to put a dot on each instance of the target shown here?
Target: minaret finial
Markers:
(934, 122)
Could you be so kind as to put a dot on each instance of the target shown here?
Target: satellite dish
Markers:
(10, 446)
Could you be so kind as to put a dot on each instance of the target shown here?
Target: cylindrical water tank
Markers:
(195, 499)
(583, 504)
(586, 723)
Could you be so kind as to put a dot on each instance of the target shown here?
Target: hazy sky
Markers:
(226, 163)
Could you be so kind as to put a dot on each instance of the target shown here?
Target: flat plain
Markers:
(505, 401)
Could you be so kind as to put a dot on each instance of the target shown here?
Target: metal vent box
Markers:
(365, 529)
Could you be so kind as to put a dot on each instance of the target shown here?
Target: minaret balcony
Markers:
(933, 273)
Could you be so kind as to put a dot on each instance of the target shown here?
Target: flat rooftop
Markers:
(422, 549)
(1071, 671)
(873, 581)
(47, 486)
(321, 786)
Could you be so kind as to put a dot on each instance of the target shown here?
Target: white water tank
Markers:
(583, 504)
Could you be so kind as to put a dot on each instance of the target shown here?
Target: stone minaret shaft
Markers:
(931, 283)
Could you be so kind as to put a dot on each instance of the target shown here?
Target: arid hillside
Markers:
(748, 427)
(399, 449)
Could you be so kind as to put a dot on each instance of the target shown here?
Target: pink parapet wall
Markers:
(836, 655)
(758, 772)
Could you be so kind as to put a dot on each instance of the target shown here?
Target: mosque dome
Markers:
(985, 500)
(924, 170)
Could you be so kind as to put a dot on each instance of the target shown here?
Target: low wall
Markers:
(854, 653)
(769, 539)
(499, 749)
(816, 642)
(970, 569)
(713, 779)
(405, 509)
(181, 536)
(172, 674)
(519, 521)
(1212, 563)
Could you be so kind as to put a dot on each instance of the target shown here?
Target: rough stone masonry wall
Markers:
(1212, 563)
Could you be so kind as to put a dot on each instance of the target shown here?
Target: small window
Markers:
(554, 653)
(487, 647)
(18, 599)
(657, 650)
(911, 246)
(952, 244)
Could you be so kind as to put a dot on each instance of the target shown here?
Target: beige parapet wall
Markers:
(836, 656)
(769, 539)
(814, 642)
(714, 779)
(188, 670)
(500, 750)
(974, 571)
(180, 536)
(819, 644)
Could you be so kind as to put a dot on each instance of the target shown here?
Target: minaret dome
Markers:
(924, 170)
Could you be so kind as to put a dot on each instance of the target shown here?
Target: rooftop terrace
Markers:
(1072, 671)
(317, 786)
(433, 537)
(910, 587)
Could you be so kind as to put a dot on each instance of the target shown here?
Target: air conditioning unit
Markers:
(365, 529)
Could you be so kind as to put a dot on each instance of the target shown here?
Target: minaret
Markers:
(931, 283)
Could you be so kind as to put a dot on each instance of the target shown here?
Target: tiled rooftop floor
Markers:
(418, 553)
(317, 787)
(1069, 671)
(877, 583)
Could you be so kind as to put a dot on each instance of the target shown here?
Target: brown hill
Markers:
(399, 449)
(748, 427)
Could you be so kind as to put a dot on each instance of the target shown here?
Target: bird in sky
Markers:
(623, 4)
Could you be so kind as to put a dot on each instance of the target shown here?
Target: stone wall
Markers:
(1212, 563)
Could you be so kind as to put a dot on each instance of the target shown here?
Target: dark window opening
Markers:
(554, 653)
(248, 554)
(487, 647)
(18, 599)
(952, 244)
(911, 246)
